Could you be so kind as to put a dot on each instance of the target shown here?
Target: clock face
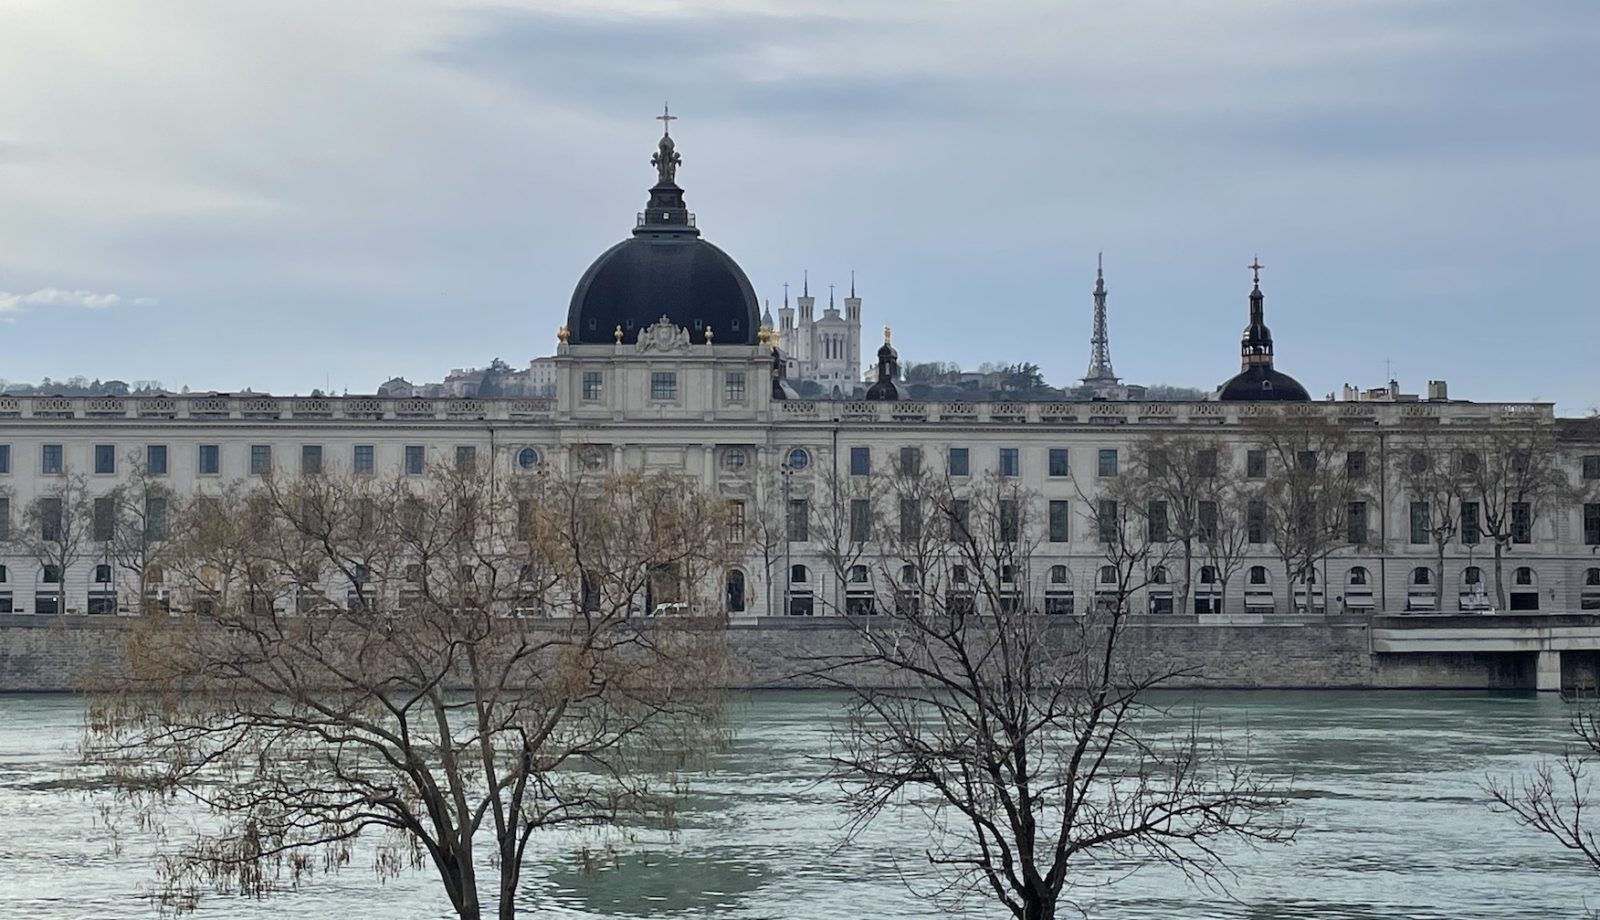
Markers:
(799, 459)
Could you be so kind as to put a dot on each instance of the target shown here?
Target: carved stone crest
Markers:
(663, 336)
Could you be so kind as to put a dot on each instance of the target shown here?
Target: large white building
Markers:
(664, 362)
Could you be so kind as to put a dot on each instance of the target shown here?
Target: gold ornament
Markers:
(616, 334)
(562, 335)
(885, 335)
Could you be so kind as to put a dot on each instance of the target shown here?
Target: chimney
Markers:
(1438, 390)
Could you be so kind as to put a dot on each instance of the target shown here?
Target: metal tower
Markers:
(1100, 372)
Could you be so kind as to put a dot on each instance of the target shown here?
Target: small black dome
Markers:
(1258, 383)
(684, 278)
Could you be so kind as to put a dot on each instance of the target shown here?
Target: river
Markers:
(1387, 785)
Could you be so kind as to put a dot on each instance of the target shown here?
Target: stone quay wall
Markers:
(56, 654)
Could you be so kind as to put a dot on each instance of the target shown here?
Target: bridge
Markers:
(1565, 647)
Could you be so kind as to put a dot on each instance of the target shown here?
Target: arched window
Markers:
(908, 596)
(1473, 598)
(908, 575)
(1419, 590)
(1524, 589)
(1058, 598)
(958, 574)
(1106, 589)
(1590, 599)
(735, 591)
(1208, 593)
(1258, 590)
(1359, 577)
(5, 575)
(1358, 589)
(858, 574)
(1421, 576)
(1108, 575)
(102, 574)
(1159, 592)
(800, 598)
(1158, 575)
(52, 575)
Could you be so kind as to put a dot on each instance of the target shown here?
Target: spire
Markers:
(766, 317)
(1255, 346)
(830, 297)
(786, 295)
(852, 282)
(1100, 372)
(666, 212)
(806, 278)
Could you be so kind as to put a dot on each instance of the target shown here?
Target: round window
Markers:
(799, 459)
(527, 458)
(733, 459)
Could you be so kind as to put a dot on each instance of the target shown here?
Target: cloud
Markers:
(11, 304)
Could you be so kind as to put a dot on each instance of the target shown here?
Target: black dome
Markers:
(684, 278)
(1259, 382)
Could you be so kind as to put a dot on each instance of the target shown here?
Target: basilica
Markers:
(666, 361)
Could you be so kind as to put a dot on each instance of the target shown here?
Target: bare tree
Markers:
(57, 530)
(1174, 477)
(1307, 490)
(1517, 479)
(1436, 473)
(766, 529)
(147, 516)
(846, 512)
(1556, 799)
(1017, 735)
(358, 661)
(1224, 530)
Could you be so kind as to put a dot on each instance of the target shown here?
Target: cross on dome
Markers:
(666, 118)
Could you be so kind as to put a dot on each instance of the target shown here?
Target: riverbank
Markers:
(46, 654)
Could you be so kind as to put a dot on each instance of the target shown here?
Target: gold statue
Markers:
(616, 334)
(886, 334)
(562, 335)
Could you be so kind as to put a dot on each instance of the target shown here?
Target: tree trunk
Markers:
(1036, 907)
(1183, 607)
(1499, 575)
(1438, 580)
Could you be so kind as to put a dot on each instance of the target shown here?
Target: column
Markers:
(1547, 672)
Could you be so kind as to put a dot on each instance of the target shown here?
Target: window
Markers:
(593, 386)
(1205, 461)
(364, 459)
(860, 461)
(735, 591)
(799, 520)
(260, 459)
(1058, 462)
(735, 522)
(1257, 575)
(1060, 521)
(1107, 462)
(1355, 523)
(1521, 522)
(1471, 532)
(1468, 462)
(1255, 521)
(155, 459)
(414, 459)
(1307, 460)
(734, 459)
(960, 516)
(52, 575)
(155, 518)
(1156, 462)
(1591, 524)
(102, 574)
(910, 461)
(1591, 466)
(733, 391)
(103, 525)
(466, 457)
(1010, 462)
(1421, 577)
(5, 519)
(860, 520)
(310, 459)
(1156, 519)
(5, 458)
(798, 459)
(50, 459)
(1255, 464)
(1206, 516)
(50, 519)
(105, 458)
(664, 385)
(1010, 522)
(1107, 521)
(209, 461)
(1419, 522)
(1355, 464)
(910, 520)
(959, 462)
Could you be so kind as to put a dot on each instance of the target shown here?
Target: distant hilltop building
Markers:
(536, 381)
(1101, 382)
(825, 351)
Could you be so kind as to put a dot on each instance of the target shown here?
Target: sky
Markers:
(293, 195)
